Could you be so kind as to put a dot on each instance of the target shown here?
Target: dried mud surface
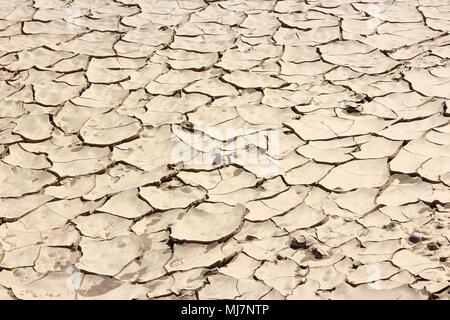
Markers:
(197, 149)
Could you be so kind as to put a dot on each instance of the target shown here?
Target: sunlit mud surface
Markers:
(239, 149)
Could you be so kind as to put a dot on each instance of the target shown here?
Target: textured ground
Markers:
(239, 149)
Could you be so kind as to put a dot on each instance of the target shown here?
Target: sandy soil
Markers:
(239, 149)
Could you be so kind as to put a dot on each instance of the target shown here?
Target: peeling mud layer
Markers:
(239, 149)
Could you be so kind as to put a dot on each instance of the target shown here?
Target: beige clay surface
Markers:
(231, 149)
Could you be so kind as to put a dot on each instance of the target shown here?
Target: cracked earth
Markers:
(238, 149)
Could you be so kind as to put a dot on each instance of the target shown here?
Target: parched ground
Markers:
(238, 149)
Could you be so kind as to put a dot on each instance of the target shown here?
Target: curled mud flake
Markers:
(249, 57)
(205, 179)
(416, 152)
(219, 287)
(188, 280)
(324, 154)
(55, 259)
(359, 201)
(109, 257)
(365, 292)
(253, 80)
(122, 178)
(95, 43)
(407, 212)
(265, 209)
(149, 267)
(104, 288)
(21, 158)
(157, 222)
(5, 294)
(357, 56)
(336, 231)
(435, 169)
(109, 128)
(188, 256)
(392, 36)
(72, 117)
(18, 181)
(212, 87)
(102, 96)
(403, 190)
(102, 226)
(233, 179)
(42, 219)
(309, 69)
(71, 188)
(264, 115)
(18, 277)
(175, 80)
(79, 160)
(206, 43)
(66, 236)
(109, 70)
(282, 275)
(320, 127)
(13, 208)
(192, 149)
(208, 116)
(164, 198)
(70, 209)
(371, 272)
(438, 137)
(251, 289)
(432, 82)
(22, 257)
(377, 148)
(407, 106)
(309, 173)
(305, 291)
(412, 262)
(201, 226)
(34, 127)
(412, 129)
(54, 93)
(357, 174)
(241, 267)
(126, 204)
(375, 219)
(184, 60)
(301, 217)
(152, 153)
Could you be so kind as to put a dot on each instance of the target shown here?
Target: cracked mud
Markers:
(239, 149)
